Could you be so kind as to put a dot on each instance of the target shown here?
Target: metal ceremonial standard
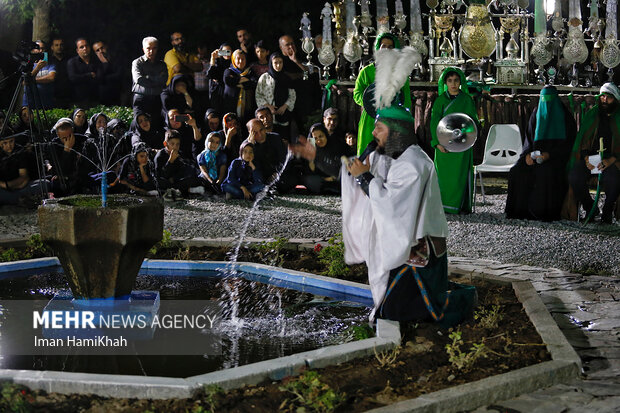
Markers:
(457, 132)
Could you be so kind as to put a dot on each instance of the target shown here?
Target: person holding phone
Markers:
(44, 75)
(190, 133)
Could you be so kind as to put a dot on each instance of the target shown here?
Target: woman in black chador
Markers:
(537, 183)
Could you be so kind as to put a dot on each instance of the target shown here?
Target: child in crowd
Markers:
(136, 173)
(212, 162)
(176, 171)
(262, 53)
(275, 91)
(243, 180)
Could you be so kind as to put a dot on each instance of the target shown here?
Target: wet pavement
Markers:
(587, 310)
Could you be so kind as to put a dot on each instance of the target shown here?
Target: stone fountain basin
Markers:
(564, 367)
(101, 249)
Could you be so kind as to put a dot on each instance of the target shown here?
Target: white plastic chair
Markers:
(501, 152)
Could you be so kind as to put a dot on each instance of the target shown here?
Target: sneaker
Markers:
(169, 195)
(197, 190)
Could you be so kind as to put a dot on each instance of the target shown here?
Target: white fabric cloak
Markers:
(403, 206)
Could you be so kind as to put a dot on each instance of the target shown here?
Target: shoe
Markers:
(169, 195)
(197, 190)
(607, 218)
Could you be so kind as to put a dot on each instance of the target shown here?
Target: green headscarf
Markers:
(549, 116)
(441, 83)
(389, 36)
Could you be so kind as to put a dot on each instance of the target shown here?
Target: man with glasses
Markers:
(179, 60)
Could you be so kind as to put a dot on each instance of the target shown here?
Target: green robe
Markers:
(367, 123)
(455, 170)
(588, 131)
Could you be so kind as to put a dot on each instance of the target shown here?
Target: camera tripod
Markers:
(39, 129)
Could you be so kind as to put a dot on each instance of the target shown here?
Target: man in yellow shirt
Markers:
(179, 60)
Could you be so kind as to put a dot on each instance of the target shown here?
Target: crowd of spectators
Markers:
(213, 123)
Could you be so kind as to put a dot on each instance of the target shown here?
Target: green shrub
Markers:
(311, 393)
(270, 252)
(123, 113)
(333, 256)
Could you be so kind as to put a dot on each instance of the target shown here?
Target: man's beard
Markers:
(179, 47)
(608, 108)
(380, 150)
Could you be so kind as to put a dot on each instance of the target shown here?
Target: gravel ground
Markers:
(485, 234)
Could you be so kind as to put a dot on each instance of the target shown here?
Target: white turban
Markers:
(611, 89)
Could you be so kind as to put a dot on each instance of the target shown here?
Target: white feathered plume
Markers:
(392, 69)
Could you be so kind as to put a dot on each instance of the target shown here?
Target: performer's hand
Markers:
(528, 159)
(606, 163)
(441, 148)
(303, 148)
(356, 168)
(588, 164)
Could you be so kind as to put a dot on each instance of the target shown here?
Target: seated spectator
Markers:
(243, 180)
(331, 121)
(212, 163)
(263, 113)
(16, 187)
(44, 75)
(261, 65)
(143, 131)
(83, 72)
(177, 172)
(317, 180)
(67, 177)
(212, 123)
(110, 74)
(80, 125)
(269, 156)
(537, 186)
(25, 121)
(233, 135)
(122, 137)
(188, 130)
(149, 76)
(136, 173)
(97, 124)
(602, 122)
(178, 95)
(274, 90)
(201, 81)
(218, 63)
(239, 85)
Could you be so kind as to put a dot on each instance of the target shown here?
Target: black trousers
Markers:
(610, 183)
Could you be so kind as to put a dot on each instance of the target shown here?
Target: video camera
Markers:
(24, 55)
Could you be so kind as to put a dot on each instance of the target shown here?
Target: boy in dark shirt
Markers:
(179, 174)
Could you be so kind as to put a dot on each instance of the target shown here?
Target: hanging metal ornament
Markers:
(575, 49)
(610, 55)
(477, 36)
(416, 39)
(326, 53)
(383, 18)
(352, 51)
(400, 20)
(307, 44)
(557, 23)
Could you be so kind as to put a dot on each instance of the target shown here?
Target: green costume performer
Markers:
(455, 170)
(365, 78)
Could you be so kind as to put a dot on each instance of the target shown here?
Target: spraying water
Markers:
(232, 286)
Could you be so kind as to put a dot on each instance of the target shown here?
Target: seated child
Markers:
(212, 162)
(178, 173)
(243, 180)
(136, 173)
